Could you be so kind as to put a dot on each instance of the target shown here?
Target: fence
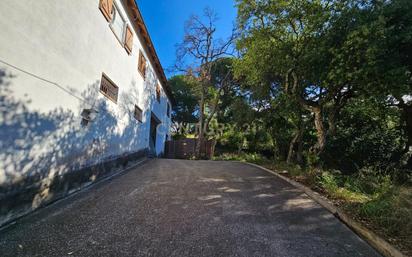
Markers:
(186, 149)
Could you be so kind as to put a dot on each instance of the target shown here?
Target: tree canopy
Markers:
(320, 82)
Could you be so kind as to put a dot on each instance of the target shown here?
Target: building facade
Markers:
(81, 90)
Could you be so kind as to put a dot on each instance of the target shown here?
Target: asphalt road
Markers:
(185, 208)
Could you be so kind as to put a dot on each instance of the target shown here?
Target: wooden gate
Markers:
(185, 149)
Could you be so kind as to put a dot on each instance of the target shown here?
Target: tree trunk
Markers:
(291, 151)
(320, 131)
(201, 125)
(209, 119)
(332, 122)
(299, 151)
(296, 145)
(275, 147)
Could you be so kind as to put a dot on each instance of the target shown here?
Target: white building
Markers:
(81, 91)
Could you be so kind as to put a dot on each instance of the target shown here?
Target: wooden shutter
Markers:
(106, 7)
(142, 64)
(158, 93)
(128, 44)
(138, 113)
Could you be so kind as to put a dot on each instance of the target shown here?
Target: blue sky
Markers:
(165, 21)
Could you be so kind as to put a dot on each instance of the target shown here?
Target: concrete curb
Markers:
(374, 240)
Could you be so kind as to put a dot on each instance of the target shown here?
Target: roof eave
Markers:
(142, 29)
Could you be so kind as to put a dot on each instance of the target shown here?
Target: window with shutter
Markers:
(158, 93)
(142, 65)
(106, 7)
(108, 88)
(128, 44)
(138, 113)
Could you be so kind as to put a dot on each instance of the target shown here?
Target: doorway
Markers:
(154, 123)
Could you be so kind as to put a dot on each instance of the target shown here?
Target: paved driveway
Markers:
(185, 208)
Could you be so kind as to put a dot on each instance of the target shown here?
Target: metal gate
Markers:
(186, 149)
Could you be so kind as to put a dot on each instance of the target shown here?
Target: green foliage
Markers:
(367, 133)
(293, 170)
(333, 69)
(328, 181)
(232, 140)
(312, 159)
(372, 197)
(394, 64)
(391, 212)
(184, 92)
(244, 157)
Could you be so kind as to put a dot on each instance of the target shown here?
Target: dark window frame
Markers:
(106, 90)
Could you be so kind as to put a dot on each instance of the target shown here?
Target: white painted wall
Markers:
(68, 42)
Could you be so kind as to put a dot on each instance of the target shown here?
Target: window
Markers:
(158, 93)
(108, 88)
(118, 24)
(142, 65)
(168, 110)
(138, 113)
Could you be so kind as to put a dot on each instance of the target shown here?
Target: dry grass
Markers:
(375, 200)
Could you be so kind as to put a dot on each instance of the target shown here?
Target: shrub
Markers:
(391, 212)
(245, 157)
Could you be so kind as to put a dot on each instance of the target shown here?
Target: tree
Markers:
(186, 106)
(186, 99)
(316, 52)
(203, 51)
(394, 68)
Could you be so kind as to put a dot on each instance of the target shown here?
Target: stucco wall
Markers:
(68, 42)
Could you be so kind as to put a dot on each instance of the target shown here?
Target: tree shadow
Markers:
(156, 108)
(264, 207)
(45, 156)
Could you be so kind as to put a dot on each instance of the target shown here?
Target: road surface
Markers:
(185, 208)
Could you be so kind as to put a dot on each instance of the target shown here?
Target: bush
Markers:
(340, 187)
(367, 135)
(374, 197)
(391, 212)
(245, 157)
(328, 182)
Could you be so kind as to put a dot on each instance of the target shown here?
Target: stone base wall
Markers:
(31, 194)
